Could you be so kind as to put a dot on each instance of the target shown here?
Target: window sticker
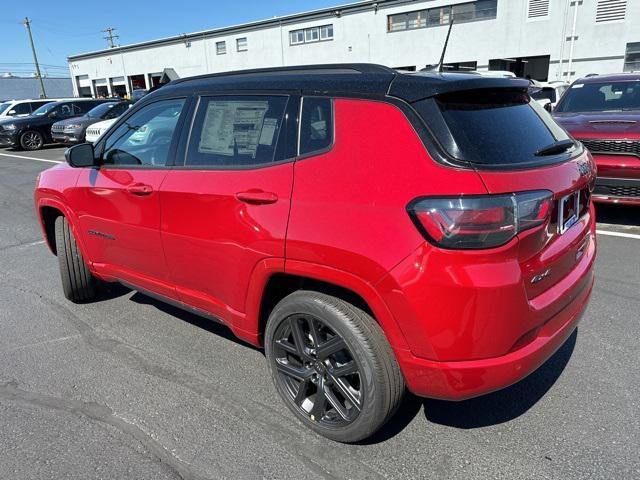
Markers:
(233, 128)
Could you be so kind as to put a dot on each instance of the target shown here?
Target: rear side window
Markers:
(237, 131)
(495, 127)
(316, 128)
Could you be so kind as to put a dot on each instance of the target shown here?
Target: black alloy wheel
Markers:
(318, 371)
(31, 140)
(332, 365)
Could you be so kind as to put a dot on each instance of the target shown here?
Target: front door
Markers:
(119, 216)
(227, 207)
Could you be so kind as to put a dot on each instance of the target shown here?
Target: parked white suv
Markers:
(21, 108)
(549, 93)
(97, 129)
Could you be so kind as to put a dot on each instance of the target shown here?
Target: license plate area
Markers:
(568, 211)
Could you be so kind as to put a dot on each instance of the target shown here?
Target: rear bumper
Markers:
(478, 327)
(467, 379)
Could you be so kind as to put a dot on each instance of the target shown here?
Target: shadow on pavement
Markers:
(209, 325)
(618, 215)
(506, 404)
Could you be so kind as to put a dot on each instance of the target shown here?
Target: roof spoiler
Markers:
(418, 86)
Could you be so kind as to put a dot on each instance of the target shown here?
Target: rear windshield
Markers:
(601, 97)
(493, 127)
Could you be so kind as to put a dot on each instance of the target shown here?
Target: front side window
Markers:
(221, 48)
(145, 137)
(316, 127)
(601, 97)
(241, 44)
(236, 131)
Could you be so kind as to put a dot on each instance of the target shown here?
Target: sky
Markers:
(59, 32)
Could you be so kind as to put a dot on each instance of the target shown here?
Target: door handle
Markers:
(140, 189)
(257, 197)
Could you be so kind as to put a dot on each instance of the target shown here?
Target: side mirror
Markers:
(81, 155)
(548, 107)
(11, 112)
(53, 115)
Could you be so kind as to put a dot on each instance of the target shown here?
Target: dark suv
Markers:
(603, 112)
(73, 130)
(34, 131)
(371, 230)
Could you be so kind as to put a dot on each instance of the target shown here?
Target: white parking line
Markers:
(618, 234)
(30, 158)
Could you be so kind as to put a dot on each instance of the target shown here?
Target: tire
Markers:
(31, 140)
(336, 338)
(77, 282)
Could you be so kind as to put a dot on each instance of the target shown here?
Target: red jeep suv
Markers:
(603, 112)
(372, 230)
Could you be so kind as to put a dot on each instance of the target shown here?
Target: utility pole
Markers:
(27, 24)
(110, 37)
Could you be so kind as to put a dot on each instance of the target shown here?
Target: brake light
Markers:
(477, 222)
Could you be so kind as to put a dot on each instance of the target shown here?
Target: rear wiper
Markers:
(554, 148)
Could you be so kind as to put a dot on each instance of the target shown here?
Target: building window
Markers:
(632, 57)
(311, 35)
(221, 48)
(433, 17)
(538, 8)
(611, 10)
(241, 44)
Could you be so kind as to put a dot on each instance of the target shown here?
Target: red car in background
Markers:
(603, 112)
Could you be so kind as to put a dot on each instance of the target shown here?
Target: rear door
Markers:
(226, 208)
(119, 203)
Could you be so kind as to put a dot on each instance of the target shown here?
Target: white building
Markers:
(543, 39)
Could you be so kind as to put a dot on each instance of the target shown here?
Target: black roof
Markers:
(342, 79)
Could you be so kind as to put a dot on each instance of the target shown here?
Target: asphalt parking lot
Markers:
(130, 388)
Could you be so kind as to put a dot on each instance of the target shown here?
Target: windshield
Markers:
(44, 109)
(4, 106)
(100, 110)
(601, 97)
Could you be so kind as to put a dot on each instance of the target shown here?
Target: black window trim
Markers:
(175, 140)
(290, 107)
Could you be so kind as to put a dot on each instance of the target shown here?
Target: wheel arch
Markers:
(49, 209)
(305, 276)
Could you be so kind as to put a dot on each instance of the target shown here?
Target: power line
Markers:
(110, 37)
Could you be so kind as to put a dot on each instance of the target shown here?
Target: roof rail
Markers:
(330, 68)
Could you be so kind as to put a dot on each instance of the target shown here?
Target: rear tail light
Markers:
(476, 222)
